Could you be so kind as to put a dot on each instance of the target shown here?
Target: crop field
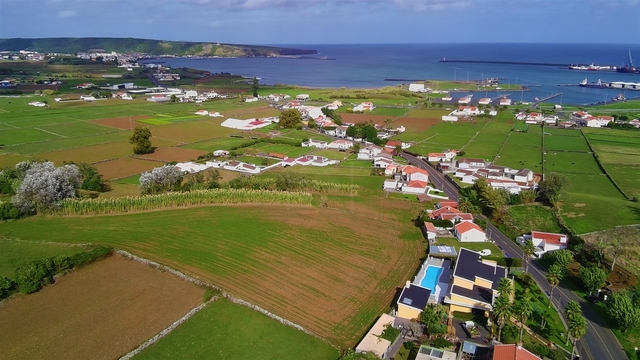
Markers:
(291, 151)
(69, 143)
(442, 136)
(428, 114)
(23, 136)
(104, 309)
(362, 118)
(331, 270)
(489, 141)
(232, 331)
(619, 153)
(565, 143)
(562, 132)
(415, 124)
(522, 150)
(190, 131)
(15, 253)
(570, 162)
(126, 123)
(389, 111)
(173, 154)
(220, 143)
(125, 166)
(88, 154)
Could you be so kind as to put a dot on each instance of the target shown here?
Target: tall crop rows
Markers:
(179, 199)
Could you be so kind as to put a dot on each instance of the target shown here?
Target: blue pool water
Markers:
(431, 277)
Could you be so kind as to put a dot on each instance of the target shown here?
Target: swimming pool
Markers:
(431, 277)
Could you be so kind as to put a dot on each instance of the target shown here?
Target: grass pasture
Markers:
(116, 303)
(24, 136)
(442, 136)
(219, 143)
(68, 143)
(331, 270)
(565, 143)
(522, 150)
(173, 154)
(570, 162)
(77, 129)
(190, 131)
(232, 331)
(488, 142)
(15, 253)
(88, 154)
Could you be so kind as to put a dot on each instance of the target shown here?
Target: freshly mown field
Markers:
(331, 270)
(442, 136)
(226, 330)
(522, 150)
(101, 311)
(619, 153)
(125, 167)
(489, 141)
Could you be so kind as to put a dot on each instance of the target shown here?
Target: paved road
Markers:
(599, 343)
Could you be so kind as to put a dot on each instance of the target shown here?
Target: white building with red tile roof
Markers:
(340, 144)
(430, 230)
(469, 232)
(512, 352)
(549, 241)
(415, 187)
(364, 106)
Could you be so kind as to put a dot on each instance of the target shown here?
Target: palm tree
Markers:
(573, 313)
(527, 250)
(577, 329)
(554, 275)
(505, 287)
(501, 312)
(523, 310)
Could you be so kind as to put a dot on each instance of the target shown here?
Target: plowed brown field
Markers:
(126, 166)
(122, 122)
(101, 311)
(414, 124)
(360, 118)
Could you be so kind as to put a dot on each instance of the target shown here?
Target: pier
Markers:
(545, 99)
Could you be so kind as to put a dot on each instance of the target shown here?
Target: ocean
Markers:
(367, 66)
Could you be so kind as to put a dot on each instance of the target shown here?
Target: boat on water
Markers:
(597, 85)
(628, 68)
(620, 98)
(592, 67)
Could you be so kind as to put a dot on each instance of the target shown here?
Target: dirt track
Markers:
(101, 311)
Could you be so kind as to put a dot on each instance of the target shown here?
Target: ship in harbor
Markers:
(619, 85)
(592, 67)
(628, 68)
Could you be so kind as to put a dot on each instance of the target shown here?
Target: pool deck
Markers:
(442, 288)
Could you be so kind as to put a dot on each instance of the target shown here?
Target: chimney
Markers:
(408, 284)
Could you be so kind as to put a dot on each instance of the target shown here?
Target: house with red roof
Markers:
(430, 230)
(548, 241)
(415, 187)
(469, 232)
(443, 203)
(468, 163)
(599, 121)
(411, 173)
(512, 352)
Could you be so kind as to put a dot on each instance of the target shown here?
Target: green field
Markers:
(15, 253)
(523, 219)
(565, 143)
(225, 330)
(442, 136)
(619, 153)
(389, 111)
(522, 150)
(220, 143)
(488, 143)
(344, 261)
(570, 162)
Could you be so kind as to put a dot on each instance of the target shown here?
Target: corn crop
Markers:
(179, 199)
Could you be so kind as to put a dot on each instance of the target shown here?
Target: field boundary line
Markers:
(495, 158)
(225, 294)
(51, 132)
(602, 168)
(477, 133)
(4, 238)
(166, 331)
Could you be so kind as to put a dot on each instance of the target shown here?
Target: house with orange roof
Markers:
(430, 230)
(512, 352)
(457, 217)
(484, 101)
(469, 232)
(599, 121)
(411, 173)
(443, 203)
(544, 241)
(415, 187)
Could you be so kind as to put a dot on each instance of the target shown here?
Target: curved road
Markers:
(599, 343)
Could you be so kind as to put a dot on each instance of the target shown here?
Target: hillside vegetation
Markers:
(145, 46)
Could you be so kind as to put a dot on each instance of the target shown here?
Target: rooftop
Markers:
(469, 265)
(512, 352)
(414, 296)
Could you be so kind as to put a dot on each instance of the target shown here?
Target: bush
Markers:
(32, 276)
(556, 354)
(510, 334)
(84, 258)
(62, 263)
(6, 285)
(441, 343)
(8, 211)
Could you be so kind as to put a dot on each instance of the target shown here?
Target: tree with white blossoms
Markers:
(43, 185)
(161, 179)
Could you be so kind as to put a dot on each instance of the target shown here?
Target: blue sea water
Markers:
(366, 66)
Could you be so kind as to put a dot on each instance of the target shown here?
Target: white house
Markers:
(600, 121)
(340, 144)
(315, 143)
(373, 342)
(37, 104)
(251, 99)
(415, 187)
(190, 167)
(202, 112)
(524, 175)
(466, 111)
(302, 97)
(414, 173)
(549, 241)
(533, 118)
(449, 118)
(369, 152)
(505, 102)
(215, 114)
(467, 163)
(430, 230)
(87, 98)
(469, 232)
(465, 100)
(484, 101)
(364, 106)
(390, 184)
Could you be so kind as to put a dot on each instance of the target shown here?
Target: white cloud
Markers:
(67, 13)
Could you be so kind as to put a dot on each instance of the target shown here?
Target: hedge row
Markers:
(33, 275)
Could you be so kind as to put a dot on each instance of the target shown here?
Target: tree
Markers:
(254, 87)
(161, 179)
(624, 310)
(397, 150)
(577, 324)
(355, 148)
(501, 312)
(527, 250)
(505, 287)
(562, 258)
(91, 179)
(619, 240)
(290, 119)
(173, 98)
(554, 275)
(433, 318)
(44, 186)
(387, 124)
(140, 138)
(523, 310)
(527, 196)
(593, 277)
(552, 186)
(352, 355)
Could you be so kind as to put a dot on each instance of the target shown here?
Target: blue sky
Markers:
(329, 21)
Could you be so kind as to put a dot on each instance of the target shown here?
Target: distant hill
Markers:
(145, 46)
